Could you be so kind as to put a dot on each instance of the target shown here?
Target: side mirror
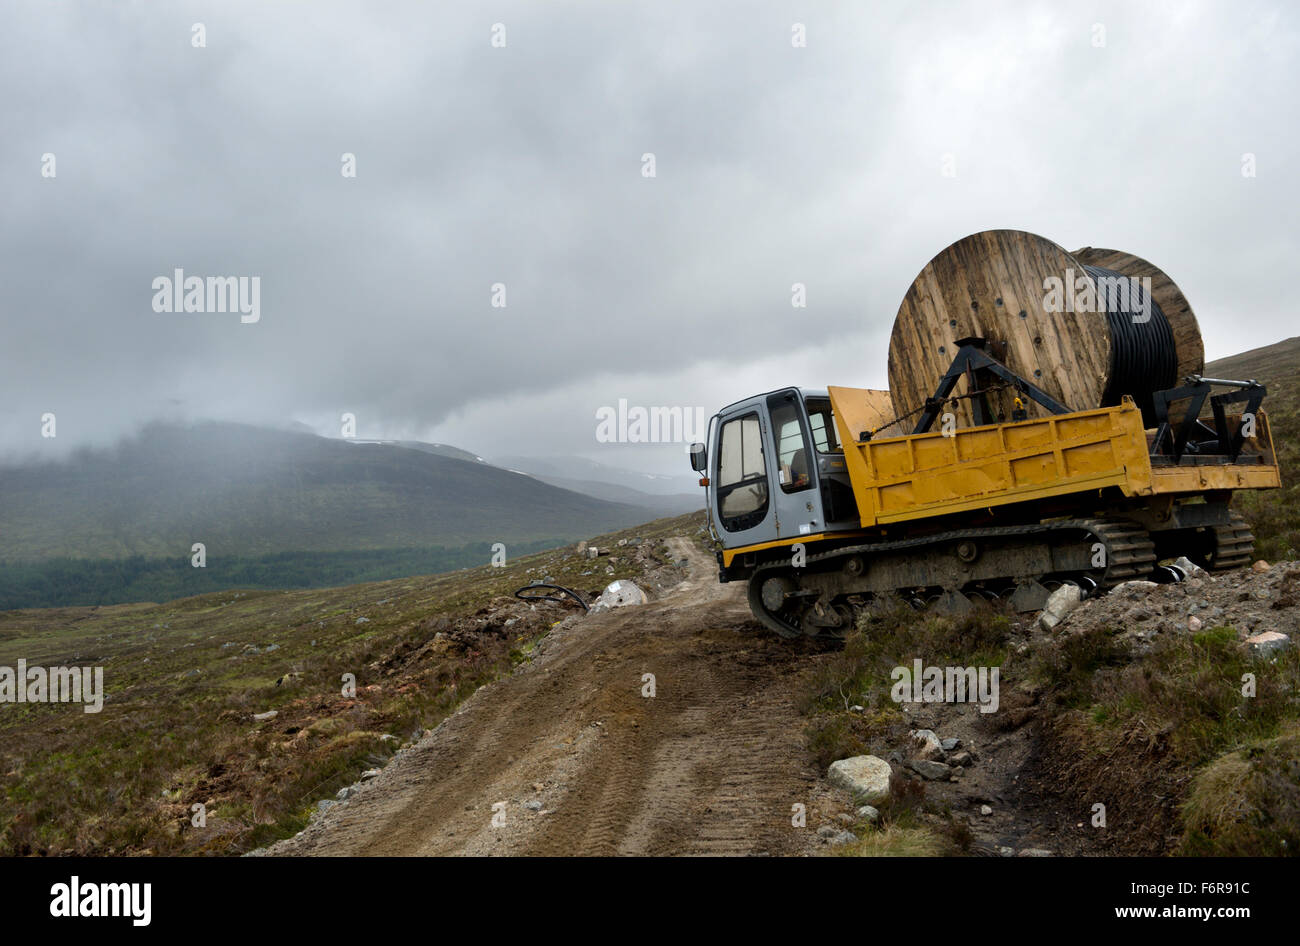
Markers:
(699, 457)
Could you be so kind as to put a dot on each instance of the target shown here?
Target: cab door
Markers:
(795, 475)
(741, 498)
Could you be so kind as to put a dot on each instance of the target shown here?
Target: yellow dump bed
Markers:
(900, 478)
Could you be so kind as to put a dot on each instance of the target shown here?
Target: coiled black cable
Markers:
(1143, 359)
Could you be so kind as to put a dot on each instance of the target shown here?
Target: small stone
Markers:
(844, 818)
(868, 813)
(985, 810)
(1194, 623)
(269, 714)
(1188, 567)
(533, 805)
(949, 744)
(929, 769)
(1035, 852)
(962, 758)
(925, 744)
(1260, 566)
(1007, 851)
(857, 709)
(369, 774)
(346, 792)
(362, 620)
(826, 831)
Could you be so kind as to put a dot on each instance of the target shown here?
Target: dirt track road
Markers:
(710, 765)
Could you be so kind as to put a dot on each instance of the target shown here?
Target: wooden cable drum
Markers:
(1052, 317)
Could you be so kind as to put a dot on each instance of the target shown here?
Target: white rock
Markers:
(269, 714)
(1059, 604)
(868, 813)
(926, 745)
(1188, 567)
(865, 776)
(619, 594)
(985, 810)
(1136, 588)
(1194, 623)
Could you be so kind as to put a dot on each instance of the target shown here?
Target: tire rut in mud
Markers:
(710, 765)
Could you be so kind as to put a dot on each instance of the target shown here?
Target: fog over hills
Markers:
(248, 490)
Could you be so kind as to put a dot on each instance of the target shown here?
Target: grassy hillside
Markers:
(62, 582)
(1275, 514)
(184, 680)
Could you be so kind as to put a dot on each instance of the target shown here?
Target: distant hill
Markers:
(248, 490)
(665, 504)
(582, 470)
(274, 509)
(1274, 515)
(1275, 365)
(439, 449)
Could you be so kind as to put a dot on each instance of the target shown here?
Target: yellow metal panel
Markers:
(982, 443)
(1034, 470)
(1024, 436)
(859, 409)
(932, 474)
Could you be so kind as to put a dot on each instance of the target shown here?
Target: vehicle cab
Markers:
(774, 469)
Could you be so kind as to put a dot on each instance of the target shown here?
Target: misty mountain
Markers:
(245, 490)
(438, 449)
(612, 490)
(663, 504)
(581, 470)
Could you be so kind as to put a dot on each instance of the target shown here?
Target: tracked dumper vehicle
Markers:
(1001, 480)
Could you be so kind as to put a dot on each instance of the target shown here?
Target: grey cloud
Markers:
(522, 165)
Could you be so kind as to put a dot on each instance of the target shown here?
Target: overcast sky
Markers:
(522, 165)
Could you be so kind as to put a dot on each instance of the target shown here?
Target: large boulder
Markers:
(1267, 644)
(866, 777)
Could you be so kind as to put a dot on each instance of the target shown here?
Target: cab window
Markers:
(742, 474)
(822, 422)
(791, 443)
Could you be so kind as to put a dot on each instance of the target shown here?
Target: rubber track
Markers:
(1130, 552)
(1234, 545)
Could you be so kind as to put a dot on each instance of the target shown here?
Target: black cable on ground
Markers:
(539, 585)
